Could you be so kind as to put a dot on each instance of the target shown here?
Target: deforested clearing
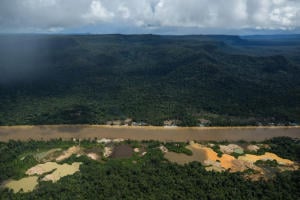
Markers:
(61, 171)
(58, 170)
(214, 162)
(26, 184)
(66, 154)
(266, 156)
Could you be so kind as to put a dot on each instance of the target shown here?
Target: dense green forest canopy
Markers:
(149, 177)
(90, 79)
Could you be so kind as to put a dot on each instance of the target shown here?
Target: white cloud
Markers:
(284, 16)
(219, 14)
(124, 11)
(274, 14)
(277, 2)
(97, 13)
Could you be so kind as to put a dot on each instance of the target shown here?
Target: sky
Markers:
(150, 16)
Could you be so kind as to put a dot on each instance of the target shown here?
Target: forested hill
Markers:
(90, 79)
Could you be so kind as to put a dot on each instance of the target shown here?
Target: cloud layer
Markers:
(148, 15)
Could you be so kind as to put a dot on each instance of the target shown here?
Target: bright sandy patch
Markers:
(42, 168)
(118, 140)
(253, 148)
(61, 171)
(266, 156)
(27, 184)
(163, 149)
(93, 156)
(107, 152)
(229, 149)
(225, 160)
(66, 154)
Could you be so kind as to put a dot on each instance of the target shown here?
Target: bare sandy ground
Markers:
(93, 156)
(68, 153)
(266, 156)
(27, 184)
(59, 170)
(47, 132)
(225, 160)
(208, 157)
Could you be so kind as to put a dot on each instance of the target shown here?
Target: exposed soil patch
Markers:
(209, 158)
(93, 156)
(66, 154)
(46, 155)
(253, 148)
(122, 151)
(199, 155)
(61, 171)
(229, 149)
(266, 156)
(107, 152)
(26, 184)
(42, 168)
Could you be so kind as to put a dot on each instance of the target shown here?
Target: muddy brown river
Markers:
(146, 133)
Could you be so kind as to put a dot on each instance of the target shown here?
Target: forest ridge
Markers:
(192, 80)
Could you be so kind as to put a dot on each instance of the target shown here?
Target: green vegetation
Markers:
(149, 177)
(267, 163)
(216, 149)
(286, 147)
(90, 79)
(178, 147)
(14, 160)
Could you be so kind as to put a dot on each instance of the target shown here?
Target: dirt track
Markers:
(146, 133)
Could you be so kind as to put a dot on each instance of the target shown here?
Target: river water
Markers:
(146, 133)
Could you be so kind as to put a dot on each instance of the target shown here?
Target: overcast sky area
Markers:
(150, 16)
